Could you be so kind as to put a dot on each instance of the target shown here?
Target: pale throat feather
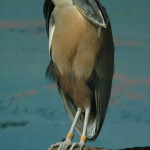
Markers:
(62, 2)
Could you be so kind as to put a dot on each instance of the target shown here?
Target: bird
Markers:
(81, 51)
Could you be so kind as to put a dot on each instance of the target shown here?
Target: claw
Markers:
(73, 146)
(61, 145)
(81, 145)
(54, 145)
(66, 144)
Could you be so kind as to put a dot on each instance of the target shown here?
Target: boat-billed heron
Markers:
(82, 62)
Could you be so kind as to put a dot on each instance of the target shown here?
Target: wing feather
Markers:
(47, 11)
(49, 19)
(104, 73)
(51, 31)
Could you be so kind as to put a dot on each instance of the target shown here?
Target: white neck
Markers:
(62, 2)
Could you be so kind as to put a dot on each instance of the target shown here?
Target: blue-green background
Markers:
(32, 116)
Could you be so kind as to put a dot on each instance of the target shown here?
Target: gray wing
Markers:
(104, 72)
(100, 83)
(93, 11)
(102, 95)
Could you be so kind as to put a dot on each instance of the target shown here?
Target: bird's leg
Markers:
(83, 136)
(64, 145)
(74, 124)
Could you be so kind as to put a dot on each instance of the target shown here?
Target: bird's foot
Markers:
(80, 145)
(67, 145)
(61, 145)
